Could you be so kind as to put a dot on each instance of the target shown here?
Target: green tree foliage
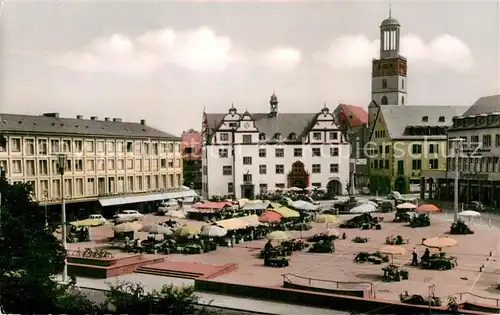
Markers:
(380, 184)
(30, 255)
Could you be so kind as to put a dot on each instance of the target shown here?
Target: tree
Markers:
(30, 255)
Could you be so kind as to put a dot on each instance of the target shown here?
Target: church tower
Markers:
(389, 71)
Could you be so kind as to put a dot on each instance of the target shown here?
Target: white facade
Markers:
(96, 166)
(245, 154)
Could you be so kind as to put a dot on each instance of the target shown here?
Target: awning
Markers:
(256, 206)
(211, 205)
(252, 220)
(286, 213)
(123, 200)
(234, 223)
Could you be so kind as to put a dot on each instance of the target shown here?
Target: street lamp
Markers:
(457, 145)
(46, 197)
(61, 167)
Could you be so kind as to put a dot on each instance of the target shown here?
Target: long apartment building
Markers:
(109, 161)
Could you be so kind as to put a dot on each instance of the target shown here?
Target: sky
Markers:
(168, 61)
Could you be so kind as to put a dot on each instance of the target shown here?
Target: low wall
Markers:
(357, 293)
(317, 299)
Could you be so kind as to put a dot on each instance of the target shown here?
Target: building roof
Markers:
(355, 115)
(389, 21)
(484, 105)
(53, 124)
(284, 123)
(398, 117)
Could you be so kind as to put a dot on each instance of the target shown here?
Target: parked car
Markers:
(476, 206)
(365, 191)
(98, 217)
(128, 215)
(168, 205)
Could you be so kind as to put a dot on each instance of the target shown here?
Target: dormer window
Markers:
(478, 120)
(425, 118)
(277, 136)
(262, 136)
(233, 125)
(441, 119)
(292, 136)
(490, 120)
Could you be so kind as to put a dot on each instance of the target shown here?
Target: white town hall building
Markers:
(245, 154)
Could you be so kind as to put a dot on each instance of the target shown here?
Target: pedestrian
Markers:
(414, 261)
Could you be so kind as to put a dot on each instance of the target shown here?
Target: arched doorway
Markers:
(298, 176)
(334, 187)
(400, 185)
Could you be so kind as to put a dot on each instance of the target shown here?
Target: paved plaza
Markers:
(472, 251)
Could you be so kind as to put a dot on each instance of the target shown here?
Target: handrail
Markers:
(461, 294)
(287, 279)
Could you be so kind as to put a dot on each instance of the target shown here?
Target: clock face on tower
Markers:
(246, 125)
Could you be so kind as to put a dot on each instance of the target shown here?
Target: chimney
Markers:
(117, 119)
(53, 115)
(143, 122)
(106, 118)
(93, 117)
(79, 117)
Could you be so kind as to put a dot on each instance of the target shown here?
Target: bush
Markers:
(322, 247)
(460, 228)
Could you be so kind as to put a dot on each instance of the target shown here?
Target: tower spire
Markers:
(390, 10)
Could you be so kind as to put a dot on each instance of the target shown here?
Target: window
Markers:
(433, 148)
(434, 164)
(147, 165)
(30, 168)
(386, 164)
(4, 167)
(416, 149)
(15, 145)
(247, 160)
(280, 169)
(402, 85)
(230, 188)
(111, 164)
(101, 165)
(120, 165)
(247, 138)
(119, 147)
(89, 146)
(154, 165)
(56, 188)
(79, 187)
(100, 146)
(334, 151)
(277, 136)
(90, 186)
(223, 153)
(146, 148)
(79, 165)
(425, 118)
(138, 165)
(170, 163)
(17, 167)
(279, 185)
(227, 170)
(279, 152)
(247, 178)
(316, 136)
(402, 99)
(66, 146)
(486, 141)
(297, 152)
(441, 119)
(155, 149)
(137, 148)
(90, 165)
(42, 147)
(316, 152)
(416, 164)
(316, 168)
(262, 188)
(384, 100)
(474, 141)
(78, 146)
(497, 140)
(68, 187)
(170, 147)
(140, 184)
(224, 136)
(44, 189)
(30, 146)
(401, 167)
(262, 136)
(262, 169)
(54, 146)
(262, 153)
(384, 83)
(334, 135)
(130, 164)
(334, 168)
(68, 166)
(43, 167)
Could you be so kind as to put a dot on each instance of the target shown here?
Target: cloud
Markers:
(281, 58)
(198, 49)
(357, 51)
